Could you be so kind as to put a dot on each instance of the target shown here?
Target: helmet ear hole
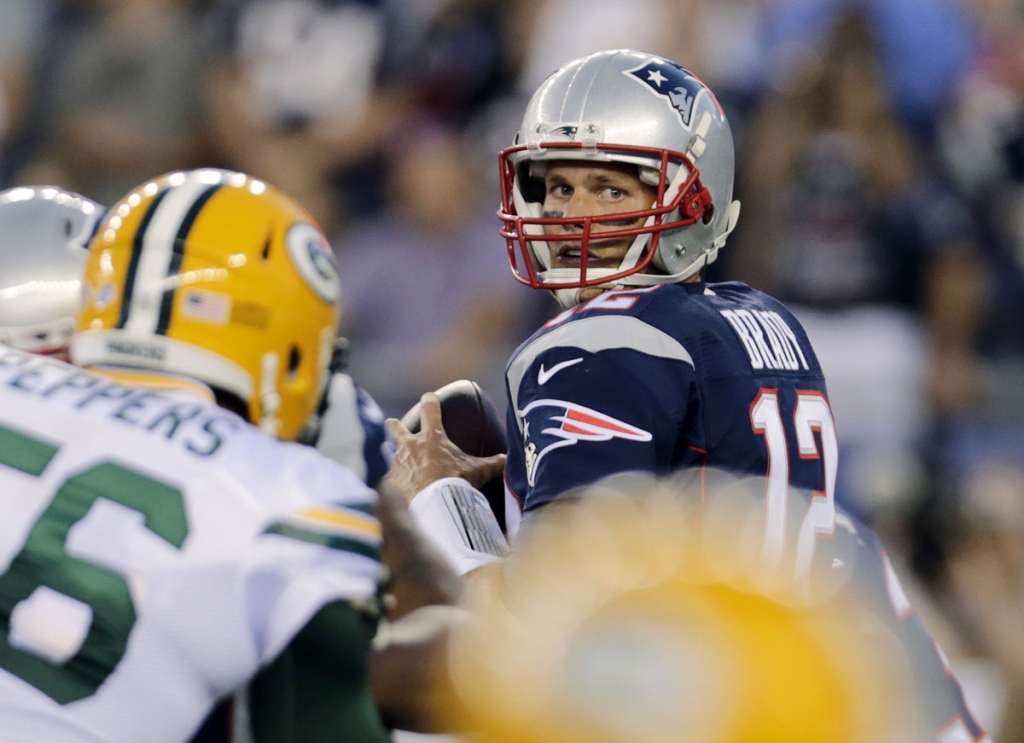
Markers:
(531, 185)
(294, 362)
(709, 214)
(231, 401)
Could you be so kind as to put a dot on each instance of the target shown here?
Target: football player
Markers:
(158, 549)
(44, 233)
(43, 236)
(653, 630)
(616, 195)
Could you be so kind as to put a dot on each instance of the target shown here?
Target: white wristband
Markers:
(457, 518)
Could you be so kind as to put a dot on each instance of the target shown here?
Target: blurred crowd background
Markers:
(880, 162)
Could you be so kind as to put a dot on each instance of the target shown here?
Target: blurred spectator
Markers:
(557, 31)
(982, 141)
(118, 103)
(464, 58)
(23, 24)
(305, 92)
(722, 41)
(923, 46)
(428, 296)
(986, 586)
(844, 222)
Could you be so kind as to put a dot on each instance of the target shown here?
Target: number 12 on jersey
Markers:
(811, 415)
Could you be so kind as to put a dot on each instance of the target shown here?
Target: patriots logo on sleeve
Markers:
(680, 88)
(552, 424)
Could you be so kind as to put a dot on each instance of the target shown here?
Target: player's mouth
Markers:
(570, 255)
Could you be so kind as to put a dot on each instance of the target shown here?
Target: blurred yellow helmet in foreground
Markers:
(617, 623)
(216, 276)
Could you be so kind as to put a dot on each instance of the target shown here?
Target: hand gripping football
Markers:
(473, 424)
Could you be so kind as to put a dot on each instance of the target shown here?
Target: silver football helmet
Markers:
(632, 107)
(43, 236)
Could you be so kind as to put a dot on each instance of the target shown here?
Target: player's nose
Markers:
(581, 204)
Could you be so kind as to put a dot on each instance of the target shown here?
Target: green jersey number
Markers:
(43, 561)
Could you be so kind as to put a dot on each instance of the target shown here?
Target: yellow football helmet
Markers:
(216, 276)
(616, 624)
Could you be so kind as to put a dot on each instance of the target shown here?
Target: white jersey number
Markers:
(44, 563)
(812, 414)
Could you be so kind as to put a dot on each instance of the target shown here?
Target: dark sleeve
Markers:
(352, 430)
(377, 446)
(318, 690)
(601, 413)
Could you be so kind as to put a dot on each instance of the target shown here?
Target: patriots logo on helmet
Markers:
(680, 88)
(552, 424)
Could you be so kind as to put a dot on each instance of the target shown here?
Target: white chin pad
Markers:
(567, 298)
(567, 275)
(732, 217)
(649, 175)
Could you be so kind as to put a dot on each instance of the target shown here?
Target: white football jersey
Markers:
(155, 552)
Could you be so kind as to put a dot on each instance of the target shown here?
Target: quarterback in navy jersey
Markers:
(659, 378)
(616, 195)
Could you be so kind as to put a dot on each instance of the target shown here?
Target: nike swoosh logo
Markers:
(545, 374)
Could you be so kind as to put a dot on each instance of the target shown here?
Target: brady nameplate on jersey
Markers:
(636, 380)
(768, 339)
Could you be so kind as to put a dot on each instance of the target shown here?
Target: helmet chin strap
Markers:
(642, 241)
(730, 224)
(570, 297)
(567, 298)
(270, 399)
(706, 258)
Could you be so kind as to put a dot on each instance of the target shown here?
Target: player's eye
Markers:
(560, 191)
(615, 194)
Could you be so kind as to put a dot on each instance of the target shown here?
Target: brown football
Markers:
(473, 423)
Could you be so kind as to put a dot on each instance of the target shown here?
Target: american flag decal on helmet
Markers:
(552, 424)
(213, 307)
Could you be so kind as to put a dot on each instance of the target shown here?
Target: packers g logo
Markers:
(312, 256)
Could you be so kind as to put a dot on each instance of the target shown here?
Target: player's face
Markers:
(574, 189)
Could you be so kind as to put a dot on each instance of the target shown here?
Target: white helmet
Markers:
(632, 107)
(43, 237)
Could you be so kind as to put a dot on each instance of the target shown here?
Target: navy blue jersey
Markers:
(660, 378)
(703, 377)
(352, 430)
